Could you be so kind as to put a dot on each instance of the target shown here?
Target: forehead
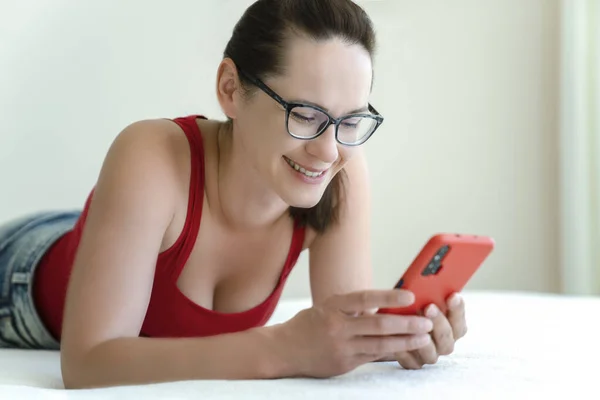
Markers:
(332, 73)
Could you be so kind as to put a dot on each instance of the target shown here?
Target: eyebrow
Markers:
(310, 103)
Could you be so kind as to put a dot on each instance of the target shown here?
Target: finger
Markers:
(426, 354)
(380, 346)
(442, 334)
(456, 316)
(361, 359)
(357, 302)
(370, 311)
(387, 357)
(408, 361)
(388, 324)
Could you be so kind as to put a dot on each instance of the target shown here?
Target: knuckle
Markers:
(410, 364)
(414, 325)
(407, 344)
(412, 343)
(460, 332)
(446, 348)
(432, 357)
(445, 335)
(380, 325)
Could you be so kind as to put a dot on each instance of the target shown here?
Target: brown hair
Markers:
(257, 46)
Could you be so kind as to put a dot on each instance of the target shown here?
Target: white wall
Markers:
(469, 90)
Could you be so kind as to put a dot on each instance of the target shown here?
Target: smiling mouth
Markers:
(302, 170)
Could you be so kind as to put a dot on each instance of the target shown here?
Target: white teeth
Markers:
(302, 170)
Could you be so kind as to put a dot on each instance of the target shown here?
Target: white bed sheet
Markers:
(518, 345)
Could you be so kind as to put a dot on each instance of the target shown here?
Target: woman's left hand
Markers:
(447, 329)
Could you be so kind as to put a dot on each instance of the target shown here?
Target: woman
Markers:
(180, 254)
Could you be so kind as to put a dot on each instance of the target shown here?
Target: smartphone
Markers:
(443, 266)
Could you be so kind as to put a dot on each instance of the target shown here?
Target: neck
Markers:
(245, 201)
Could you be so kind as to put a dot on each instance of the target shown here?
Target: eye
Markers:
(302, 118)
(351, 123)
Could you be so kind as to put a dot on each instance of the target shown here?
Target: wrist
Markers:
(278, 361)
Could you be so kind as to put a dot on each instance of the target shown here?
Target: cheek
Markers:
(269, 131)
(258, 134)
(266, 145)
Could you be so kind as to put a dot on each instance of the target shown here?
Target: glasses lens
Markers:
(355, 129)
(306, 122)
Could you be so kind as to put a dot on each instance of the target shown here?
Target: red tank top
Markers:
(170, 313)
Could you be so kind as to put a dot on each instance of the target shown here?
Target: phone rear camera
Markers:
(434, 266)
(443, 250)
(431, 269)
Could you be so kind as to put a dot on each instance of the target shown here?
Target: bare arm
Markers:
(340, 258)
(112, 278)
(131, 361)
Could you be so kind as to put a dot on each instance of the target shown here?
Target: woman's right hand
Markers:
(342, 333)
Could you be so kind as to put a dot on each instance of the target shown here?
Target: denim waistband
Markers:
(28, 244)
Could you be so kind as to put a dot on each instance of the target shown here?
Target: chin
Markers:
(302, 201)
(302, 197)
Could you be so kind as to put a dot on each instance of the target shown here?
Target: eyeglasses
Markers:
(305, 121)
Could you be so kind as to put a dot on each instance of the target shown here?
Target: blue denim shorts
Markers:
(23, 242)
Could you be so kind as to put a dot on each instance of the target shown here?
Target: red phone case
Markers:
(433, 280)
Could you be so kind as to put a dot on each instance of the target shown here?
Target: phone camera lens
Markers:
(443, 250)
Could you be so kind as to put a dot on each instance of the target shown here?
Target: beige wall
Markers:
(469, 89)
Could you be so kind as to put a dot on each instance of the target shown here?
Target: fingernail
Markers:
(432, 311)
(455, 300)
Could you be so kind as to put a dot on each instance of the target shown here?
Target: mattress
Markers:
(518, 345)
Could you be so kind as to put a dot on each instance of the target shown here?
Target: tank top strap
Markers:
(180, 251)
(295, 249)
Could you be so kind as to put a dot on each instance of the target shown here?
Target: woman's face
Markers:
(330, 74)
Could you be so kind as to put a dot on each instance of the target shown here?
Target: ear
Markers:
(228, 86)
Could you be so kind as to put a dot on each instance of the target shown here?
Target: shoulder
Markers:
(156, 148)
(160, 138)
(146, 156)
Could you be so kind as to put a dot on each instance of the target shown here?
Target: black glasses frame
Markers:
(289, 106)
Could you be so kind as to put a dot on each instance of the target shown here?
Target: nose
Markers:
(325, 146)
